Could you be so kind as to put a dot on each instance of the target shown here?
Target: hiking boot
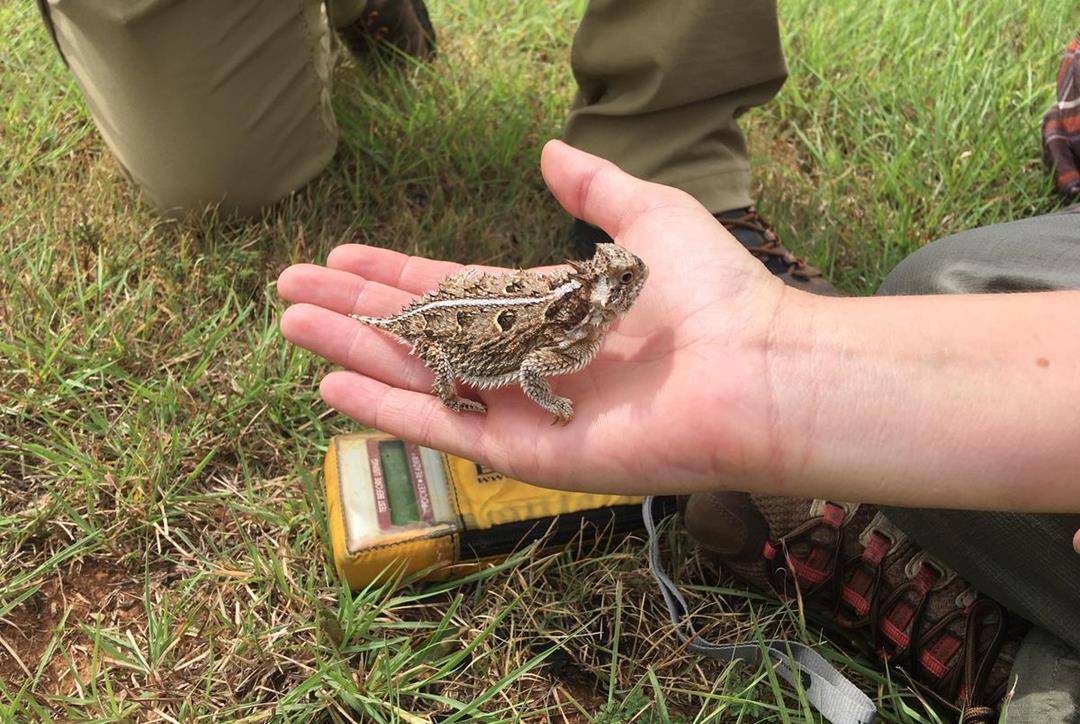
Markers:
(753, 232)
(762, 241)
(402, 23)
(860, 576)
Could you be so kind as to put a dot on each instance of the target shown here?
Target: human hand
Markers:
(678, 399)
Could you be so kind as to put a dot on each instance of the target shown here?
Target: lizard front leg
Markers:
(543, 363)
(441, 366)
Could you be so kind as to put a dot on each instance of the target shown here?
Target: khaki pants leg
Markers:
(205, 102)
(661, 84)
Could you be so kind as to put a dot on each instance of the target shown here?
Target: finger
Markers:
(1076, 542)
(599, 192)
(349, 343)
(412, 416)
(339, 291)
(412, 273)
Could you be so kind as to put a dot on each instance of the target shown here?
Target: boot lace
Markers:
(954, 667)
(771, 248)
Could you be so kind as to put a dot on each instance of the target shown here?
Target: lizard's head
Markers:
(617, 277)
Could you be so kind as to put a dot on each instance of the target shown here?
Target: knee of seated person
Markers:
(1034, 254)
(199, 119)
(229, 187)
(941, 267)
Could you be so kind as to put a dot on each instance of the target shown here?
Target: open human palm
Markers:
(676, 400)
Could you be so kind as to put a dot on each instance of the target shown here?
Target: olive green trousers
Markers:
(208, 103)
(661, 84)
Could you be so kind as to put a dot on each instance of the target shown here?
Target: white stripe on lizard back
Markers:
(560, 291)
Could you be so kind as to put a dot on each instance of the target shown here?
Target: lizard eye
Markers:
(626, 277)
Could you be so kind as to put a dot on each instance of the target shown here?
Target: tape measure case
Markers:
(397, 506)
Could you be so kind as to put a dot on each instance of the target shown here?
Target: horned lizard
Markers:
(494, 330)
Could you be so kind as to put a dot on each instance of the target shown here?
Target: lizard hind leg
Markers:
(444, 383)
(534, 371)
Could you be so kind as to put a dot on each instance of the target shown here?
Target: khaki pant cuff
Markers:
(718, 192)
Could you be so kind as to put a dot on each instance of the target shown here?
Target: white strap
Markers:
(838, 700)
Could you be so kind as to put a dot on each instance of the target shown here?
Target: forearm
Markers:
(943, 401)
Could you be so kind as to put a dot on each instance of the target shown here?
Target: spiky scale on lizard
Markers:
(493, 330)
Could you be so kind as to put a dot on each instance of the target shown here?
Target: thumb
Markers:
(599, 192)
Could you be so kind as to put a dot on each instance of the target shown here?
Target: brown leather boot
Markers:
(402, 23)
(857, 574)
(762, 241)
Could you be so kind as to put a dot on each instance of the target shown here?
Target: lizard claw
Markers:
(563, 413)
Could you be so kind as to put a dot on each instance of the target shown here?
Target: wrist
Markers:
(829, 382)
(792, 392)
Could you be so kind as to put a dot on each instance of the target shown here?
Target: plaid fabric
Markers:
(1061, 125)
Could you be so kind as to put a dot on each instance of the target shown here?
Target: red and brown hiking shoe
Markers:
(859, 575)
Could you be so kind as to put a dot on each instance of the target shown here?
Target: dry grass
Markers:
(163, 552)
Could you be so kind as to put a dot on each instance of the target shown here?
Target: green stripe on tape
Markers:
(399, 484)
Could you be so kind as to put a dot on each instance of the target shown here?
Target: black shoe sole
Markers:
(584, 237)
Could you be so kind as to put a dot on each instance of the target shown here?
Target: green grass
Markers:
(163, 551)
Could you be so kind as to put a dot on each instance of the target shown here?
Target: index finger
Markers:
(412, 273)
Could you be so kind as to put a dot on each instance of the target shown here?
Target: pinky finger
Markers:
(412, 416)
